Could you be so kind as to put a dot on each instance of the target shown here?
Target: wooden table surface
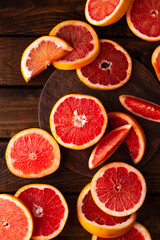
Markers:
(21, 22)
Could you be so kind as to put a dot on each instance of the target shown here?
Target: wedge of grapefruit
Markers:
(135, 140)
(110, 70)
(97, 222)
(78, 121)
(41, 53)
(84, 40)
(15, 221)
(156, 61)
(32, 153)
(103, 13)
(107, 145)
(118, 189)
(48, 207)
(141, 107)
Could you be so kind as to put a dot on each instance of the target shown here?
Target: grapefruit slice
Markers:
(103, 13)
(84, 40)
(15, 221)
(48, 207)
(78, 121)
(135, 140)
(143, 19)
(40, 53)
(107, 145)
(156, 61)
(32, 153)
(97, 222)
(141, 107)
(110, 70)
(118, 189)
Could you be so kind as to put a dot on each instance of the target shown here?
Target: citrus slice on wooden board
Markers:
(48, 207)
(118, 189)
(156, 61)
(110, 70)
(78, 121)
(15, 221)
(108, 145)
(103, 13)
(41, 53)
(143, 19)
(135, 140)
(84, 40)
(97, 222)
(32, 153)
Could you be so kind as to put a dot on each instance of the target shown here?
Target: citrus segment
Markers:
(156, 61)
(32, 153)
(110, 70)
(84, 40)
(78, 121)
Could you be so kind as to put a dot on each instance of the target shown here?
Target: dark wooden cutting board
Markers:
(141, 84)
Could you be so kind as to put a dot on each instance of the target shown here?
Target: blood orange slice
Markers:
(118, 189)
(40, 53)
(111, 69)
(78, 121)
(143, 19)
(84, 40)
(15, 221)
(107, 145)
(32, 153)
(135, 140)
(141, 107)
(48, 207)
(156, 61)
(97, 222)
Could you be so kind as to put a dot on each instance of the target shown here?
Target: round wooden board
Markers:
(141, 84)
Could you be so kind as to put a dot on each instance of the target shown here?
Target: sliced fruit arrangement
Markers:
(97, 222)
(78, 121)
(48, 207)
(32, 153)
(107, 145)
(156, 61)
(84, 40)
(141, 107)
(135, 140)
(110, 70)
(103, 13)
(41, 53)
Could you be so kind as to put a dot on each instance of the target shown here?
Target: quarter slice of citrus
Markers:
(156, 61)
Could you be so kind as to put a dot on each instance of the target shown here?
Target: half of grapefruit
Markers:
(156, 61)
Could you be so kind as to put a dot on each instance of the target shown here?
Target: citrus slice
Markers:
(84, 40)
(41, 53)
(135, 140)
(103, 13)
(111, 69)
(156, 61)
(48, 207)
(15, 221)
(97, 222)
(137, 232)
(78, 121)
(118, 189)
(141, 107)
(143, 19)
(32, 153)
(107, 145)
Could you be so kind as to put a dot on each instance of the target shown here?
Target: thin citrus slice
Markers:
(84, 40)
(15, 219)
(103, 13)
(97, 222)
(78, 121)
(48, 207)
(107, 145)
(41, 53)
(156, 61)
(141, 107)
(118, 189)
(143, 19)
(111, 69)
(32, 153)
(135, 140)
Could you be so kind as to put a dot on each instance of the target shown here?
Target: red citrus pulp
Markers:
(156, 61)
